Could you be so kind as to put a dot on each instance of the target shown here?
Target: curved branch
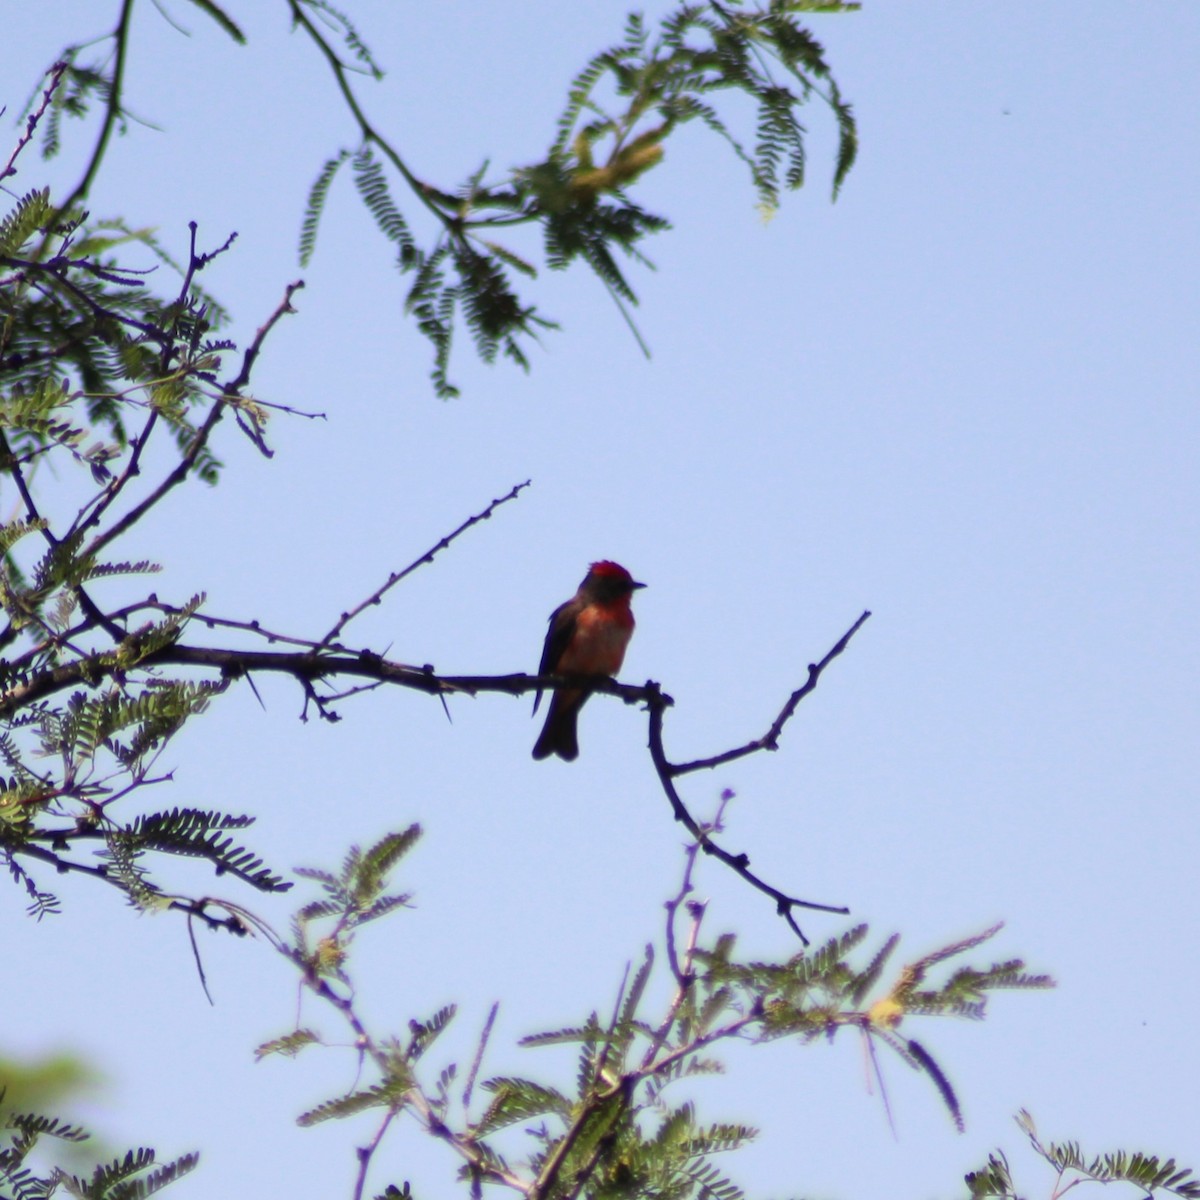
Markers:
(668, 772)
(740, 863)
(770, 739)
(307, 667)
(366, 130)
(112, 109)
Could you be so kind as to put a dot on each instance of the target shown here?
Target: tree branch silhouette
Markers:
(315, 665)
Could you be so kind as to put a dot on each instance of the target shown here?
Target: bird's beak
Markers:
(637, 585)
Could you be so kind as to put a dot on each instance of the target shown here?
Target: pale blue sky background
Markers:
(964, 397)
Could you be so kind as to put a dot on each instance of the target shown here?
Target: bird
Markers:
(587, 636)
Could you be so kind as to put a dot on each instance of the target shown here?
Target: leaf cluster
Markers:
(353, 897)
(96, 368)
(80, 330)
(621, 110)
(1145, 1172)
(622, 1128)
(69, 763)
(133, 1176)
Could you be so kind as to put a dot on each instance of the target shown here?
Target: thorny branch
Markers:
(315, 665)
(396, 576)
(770, 739)
(668, 772)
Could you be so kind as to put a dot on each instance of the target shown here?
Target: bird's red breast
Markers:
(598, 640)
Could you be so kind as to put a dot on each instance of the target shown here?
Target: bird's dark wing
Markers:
(558, 637)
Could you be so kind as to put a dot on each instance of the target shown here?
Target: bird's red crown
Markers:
(610, 569)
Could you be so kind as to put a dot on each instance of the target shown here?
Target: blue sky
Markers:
(963, 396)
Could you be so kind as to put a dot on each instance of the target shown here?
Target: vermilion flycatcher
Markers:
(587, 636)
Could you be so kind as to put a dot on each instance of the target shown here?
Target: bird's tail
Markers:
(559, 734)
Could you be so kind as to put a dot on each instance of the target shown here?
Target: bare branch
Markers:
(682, 970)
(255, 347)
(310, 667)
(367, 1152)
(770, 739)
(31, 122)
(376, 596)
(784, 904)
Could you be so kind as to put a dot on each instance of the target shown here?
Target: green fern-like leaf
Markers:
(519, 1100)
(350, 35)
(319, 910)
(869, 977)
(33, 413)
(383, 1095)
(289, 1045)
(315, 206)
(515, 261)
(588, 1033)
(106, 1176)
(392, 1192)
(710, 1184)
(198, 834)
(1146, 1171)
(383, 906)
(432, 302)
(993, 1180)
(625, 1026)
(137, 1189)
(37, 1125)
(327, 880)
(117, 1180)
(126, 871)
(153, 715)
(719, 1138)
(355, 894)
(378, 860)
(32, 212)
(371, 182)
(42, 903)
(11, 532)
(422, 1034)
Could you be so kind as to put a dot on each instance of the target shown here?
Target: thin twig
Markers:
(479, 1053)
(31, 122)
(366, 129)
(683, 975)
(200, 439)
(112, 106)
(396, 576)
(196, 955)
(691, 849)
(770, 739)
(365, 1153)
